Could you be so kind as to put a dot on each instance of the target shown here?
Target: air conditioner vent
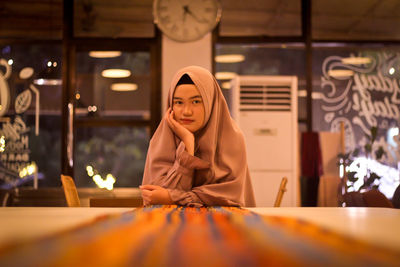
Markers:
(265, 98)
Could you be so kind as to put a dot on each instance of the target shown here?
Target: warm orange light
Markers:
(225, 75)
(116, 73)
(104, 54)
(356, 60)
(340, 73)
(230, 58)
(124, 87)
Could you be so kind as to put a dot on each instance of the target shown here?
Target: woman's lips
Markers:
(186, 121)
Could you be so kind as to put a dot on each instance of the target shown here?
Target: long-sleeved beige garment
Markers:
(217, 175)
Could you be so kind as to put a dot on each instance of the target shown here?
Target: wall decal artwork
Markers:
(15, 154)
(362, 91)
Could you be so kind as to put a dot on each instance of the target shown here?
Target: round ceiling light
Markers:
(226, 85)
(225, 75)
(124, 87)
(116, 73)
(356, 60)
(340, 73)
(104, 54)
(231, 58)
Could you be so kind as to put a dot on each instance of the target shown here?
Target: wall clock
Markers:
(186, 20)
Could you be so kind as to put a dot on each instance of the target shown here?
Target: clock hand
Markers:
(185, 11)
(188, 11)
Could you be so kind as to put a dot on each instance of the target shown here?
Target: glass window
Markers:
(100, 94)
(272, 59)
(42, 20)
(104, 151)
(30, 114)
(113, 19)
(355, 20)
(359, 88)
(258, 18)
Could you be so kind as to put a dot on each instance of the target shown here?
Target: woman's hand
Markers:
(154, 194)
(184, 134)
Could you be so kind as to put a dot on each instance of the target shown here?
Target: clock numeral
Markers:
(186, 20)
(166, 19)
(174, 27)
(162, 8)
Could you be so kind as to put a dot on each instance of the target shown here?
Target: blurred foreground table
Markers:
(378, 226)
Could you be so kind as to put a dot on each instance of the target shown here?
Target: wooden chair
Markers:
(354, 199)
(71, 194)
(370, 198)
(396, 198)
(374, 198)
(282, 189)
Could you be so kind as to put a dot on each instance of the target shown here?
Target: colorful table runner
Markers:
(183, 236)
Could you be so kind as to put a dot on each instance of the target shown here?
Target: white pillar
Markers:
(176, 55)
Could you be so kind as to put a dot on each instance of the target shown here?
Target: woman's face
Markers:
(188, 107)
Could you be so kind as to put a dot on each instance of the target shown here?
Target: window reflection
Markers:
(363, 96)
(113, 85)
(30, 119)
(272, 59)
(119, 152)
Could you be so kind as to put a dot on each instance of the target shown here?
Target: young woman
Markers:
(197, 156)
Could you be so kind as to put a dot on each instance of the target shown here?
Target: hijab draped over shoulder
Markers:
(217, 175)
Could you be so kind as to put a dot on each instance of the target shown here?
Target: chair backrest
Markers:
(396, 198)
(282, 189)
(374, 198)
(354, 199)
(71, 194)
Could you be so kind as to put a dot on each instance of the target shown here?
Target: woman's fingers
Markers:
(146, 193)
(146, 196)
(149, 187)
(173, 124)
(184, 134)
(170, 119)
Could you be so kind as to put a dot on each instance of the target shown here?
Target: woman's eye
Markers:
(196, 101)
(177, 102)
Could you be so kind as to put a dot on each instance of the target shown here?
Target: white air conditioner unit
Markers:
(265, 108)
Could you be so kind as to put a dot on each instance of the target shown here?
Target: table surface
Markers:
(379, 226)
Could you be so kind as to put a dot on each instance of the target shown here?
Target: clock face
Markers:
(186, 20)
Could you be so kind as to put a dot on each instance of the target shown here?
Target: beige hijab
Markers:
(220, 142)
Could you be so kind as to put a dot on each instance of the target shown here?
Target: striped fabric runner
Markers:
(183, 236)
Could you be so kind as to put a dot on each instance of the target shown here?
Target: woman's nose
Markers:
(187, 110)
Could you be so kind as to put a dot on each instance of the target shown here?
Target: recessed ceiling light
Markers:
(356, 60)
(302, 93)
(231, 58)
(340, 73)
(225, 75)
(314, 95)
(226, 85)
(123, 87)
(116, 73)
(104, 54)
